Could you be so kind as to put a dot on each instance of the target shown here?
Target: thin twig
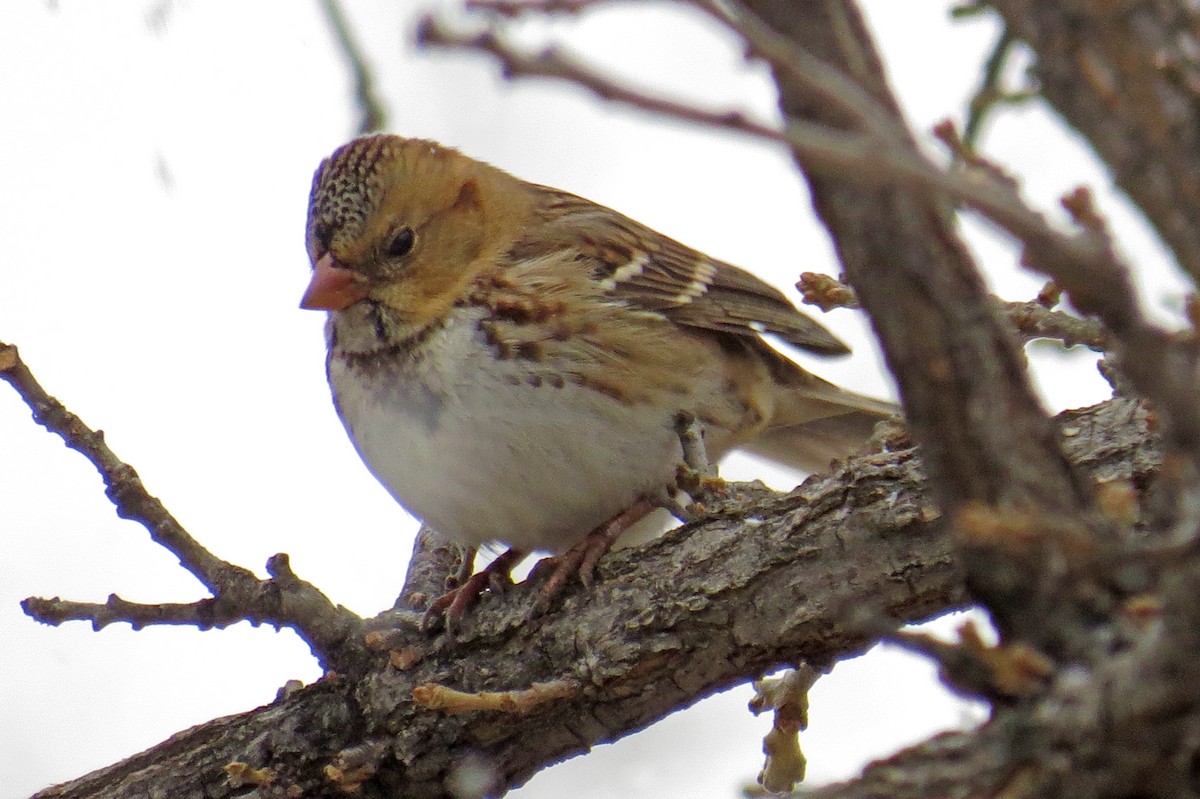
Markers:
(1032, 319)
(55, 611)
(373, 116)
(122, 484)
(827, 81)
(871, 156)
(237, 594)
(991, 92)
(554, 63)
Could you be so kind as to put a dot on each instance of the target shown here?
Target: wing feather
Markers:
(655, 273)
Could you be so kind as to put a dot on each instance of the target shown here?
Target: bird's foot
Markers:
(581, 559)
(452, 606)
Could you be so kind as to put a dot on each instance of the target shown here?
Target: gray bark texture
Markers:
(754, 587)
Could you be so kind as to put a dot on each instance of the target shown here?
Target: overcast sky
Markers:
(157, 159)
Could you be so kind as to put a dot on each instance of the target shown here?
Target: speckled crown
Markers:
(351, 182)
(346, 186)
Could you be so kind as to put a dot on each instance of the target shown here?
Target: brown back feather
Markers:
(656, 273)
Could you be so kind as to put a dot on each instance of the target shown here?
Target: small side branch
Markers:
(55, 611)
(1032, 319)
(991, 92)
(122, 484)
(237, 594)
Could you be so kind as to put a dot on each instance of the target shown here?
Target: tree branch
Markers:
(237, 595)
(554, 63)
(1030, 320)
(782, 580)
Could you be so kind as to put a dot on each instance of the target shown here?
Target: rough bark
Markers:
(961, 373)
(784, 579)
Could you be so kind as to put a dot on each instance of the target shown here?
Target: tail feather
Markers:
(812, 446)
(817, 424)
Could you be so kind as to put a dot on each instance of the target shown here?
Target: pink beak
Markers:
(332, 288)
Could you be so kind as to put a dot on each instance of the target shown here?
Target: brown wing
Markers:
(653, 272)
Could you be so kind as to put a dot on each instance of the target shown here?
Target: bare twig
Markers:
(991, 92)
(452, 701)
(55, 611)
(1033, 319)
(554, 63)
(237, 595)
(373, 116)
(122, 484)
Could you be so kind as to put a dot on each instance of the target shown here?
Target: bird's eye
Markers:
(322, 237)
(402, 243)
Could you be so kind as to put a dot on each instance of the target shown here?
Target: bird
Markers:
(511, 360)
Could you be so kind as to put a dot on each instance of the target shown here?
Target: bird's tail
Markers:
(817, 422)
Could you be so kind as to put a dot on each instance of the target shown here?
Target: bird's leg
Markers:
(452, 605)
(466, 567)
(691, 442)
(582, 557)
(697, 475)
(436, 565)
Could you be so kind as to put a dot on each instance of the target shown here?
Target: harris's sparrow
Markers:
(510, 359)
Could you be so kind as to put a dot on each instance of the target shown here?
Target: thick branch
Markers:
(961, 375)
(705, 608)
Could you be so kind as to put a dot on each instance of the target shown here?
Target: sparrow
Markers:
(510, 360)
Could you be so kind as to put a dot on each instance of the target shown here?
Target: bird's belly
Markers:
(480, 459)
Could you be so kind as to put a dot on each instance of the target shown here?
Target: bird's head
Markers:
(405, 223)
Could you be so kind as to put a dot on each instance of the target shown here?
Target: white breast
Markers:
(472, 449)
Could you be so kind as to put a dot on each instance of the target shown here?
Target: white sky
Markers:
(157, 158)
